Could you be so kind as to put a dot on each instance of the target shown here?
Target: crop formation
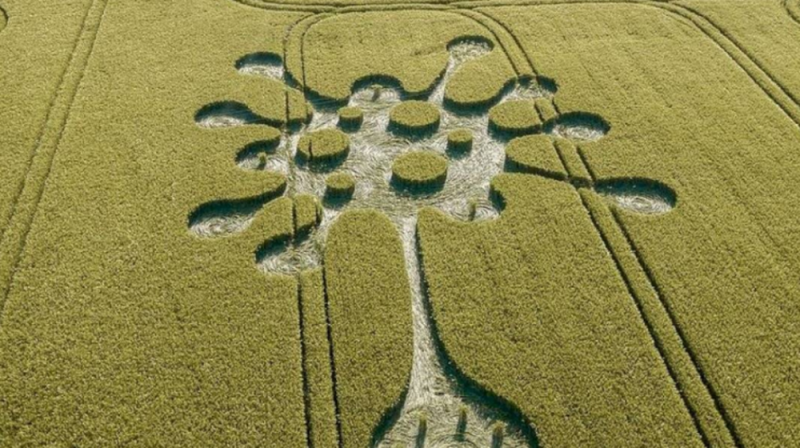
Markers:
(381, 150)
(355, 223)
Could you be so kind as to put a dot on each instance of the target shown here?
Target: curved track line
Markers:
(793, 9)
(754, 72)
(3, 19)
(501, 41)
(699, 20)
(322, 17)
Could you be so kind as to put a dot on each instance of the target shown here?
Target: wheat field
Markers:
(385, 223)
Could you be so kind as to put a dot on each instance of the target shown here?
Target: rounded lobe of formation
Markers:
(515, 117)
(638, 195)
(534, 154)
(307, 214)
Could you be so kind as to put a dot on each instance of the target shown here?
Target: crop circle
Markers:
(340, 185)
(325, 146)
(424, 170)
(414, 117)
(579, 126)
(3, 19)
(350, 118)
(459, 141)
(638, 195)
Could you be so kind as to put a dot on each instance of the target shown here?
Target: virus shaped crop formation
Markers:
(385, 151)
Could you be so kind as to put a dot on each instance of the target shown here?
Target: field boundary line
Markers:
(647, 318)
(304, 363)
(321, 426)
(37, 143)
(503, 39)
(329, 330)
(770, 86)
(300, 300)
(670, 313)
(531, 67)
(305, 28)
(15, 238)
(297, 40)
(682, 382)
(786, 260)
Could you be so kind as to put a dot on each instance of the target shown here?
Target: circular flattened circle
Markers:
(261, 64)
(515, 117)
(414, 117)
(340, 185)
(3, 19)
(350, 118)
(459, 141)
(638, 195)
(325, 146)
(580, 126)
(419, 170)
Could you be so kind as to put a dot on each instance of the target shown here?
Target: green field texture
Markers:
(370, 317)
(121, 327)
(321, 422)
(588, 346)
(125, 322)
(30, 125)
(731, 159)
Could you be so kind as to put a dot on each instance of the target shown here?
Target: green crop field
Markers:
(386, 223)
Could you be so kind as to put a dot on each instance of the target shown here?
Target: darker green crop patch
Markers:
(350, 118)
(419, 173)
(459, 142)
(414, 118)
(324, 149)
(515, 117)
(339, 186)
